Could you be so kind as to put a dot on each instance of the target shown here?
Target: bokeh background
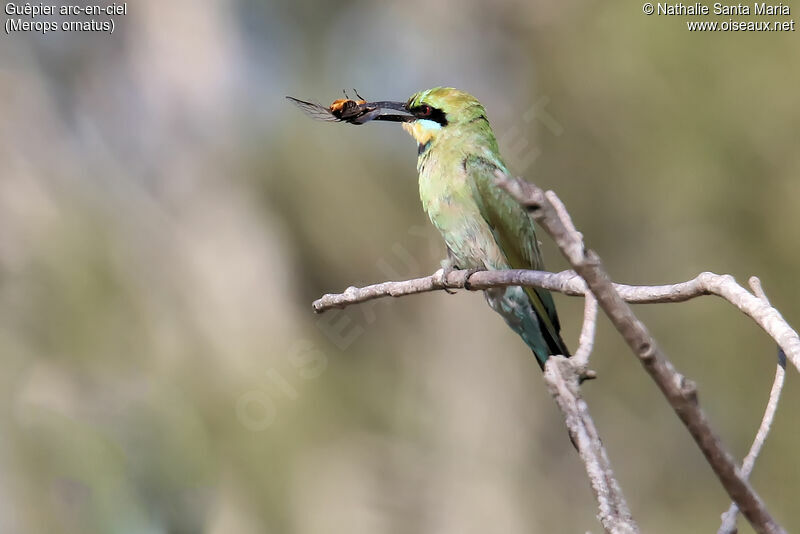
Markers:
(166, 219)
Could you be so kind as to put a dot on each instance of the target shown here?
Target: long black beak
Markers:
(383, 111)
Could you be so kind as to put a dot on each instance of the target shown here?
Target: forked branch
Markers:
(590, 279)
(680, 392)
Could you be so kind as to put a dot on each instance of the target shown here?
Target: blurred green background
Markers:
(166, 219)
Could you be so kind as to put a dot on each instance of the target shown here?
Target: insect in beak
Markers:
(354, 111)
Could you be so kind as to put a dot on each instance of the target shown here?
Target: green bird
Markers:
(482, 226)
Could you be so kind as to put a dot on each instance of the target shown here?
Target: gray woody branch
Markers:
(681, 393)
(569, 283)
(562, 377)
(728, 525)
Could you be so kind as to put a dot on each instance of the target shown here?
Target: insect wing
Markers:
(315, 111)
(366, 116)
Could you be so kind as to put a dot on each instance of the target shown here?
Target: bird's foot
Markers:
(447, 267)
(470, 272)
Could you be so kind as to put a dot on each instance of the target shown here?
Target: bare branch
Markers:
(728, 525)
(566, 282)
(774, 396)
(766, 421)
(561, 376)
(590, 279)
(569, 283)
(586, 341)
(680, 392)
(758, 290)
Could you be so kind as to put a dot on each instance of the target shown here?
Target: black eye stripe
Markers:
(435, 114)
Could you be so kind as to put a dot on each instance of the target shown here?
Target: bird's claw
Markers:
(440, 279)
(467, 274)
(447, 267)
(470, 272)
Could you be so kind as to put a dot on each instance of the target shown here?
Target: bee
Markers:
(341, 110)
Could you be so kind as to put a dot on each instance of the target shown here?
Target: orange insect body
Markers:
(339, 105)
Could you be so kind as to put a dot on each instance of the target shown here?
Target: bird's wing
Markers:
(515, 234)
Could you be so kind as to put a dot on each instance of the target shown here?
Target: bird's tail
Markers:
(532, 315)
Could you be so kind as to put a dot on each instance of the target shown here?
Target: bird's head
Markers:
(439, 110)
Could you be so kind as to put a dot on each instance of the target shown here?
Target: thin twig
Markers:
(680, 392)
(586, 341)
(561, 376)
(774, 396)
(729, 518)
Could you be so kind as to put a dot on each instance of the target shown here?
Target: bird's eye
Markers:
(425, 111)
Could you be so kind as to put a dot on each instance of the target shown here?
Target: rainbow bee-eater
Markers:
(482, 226)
